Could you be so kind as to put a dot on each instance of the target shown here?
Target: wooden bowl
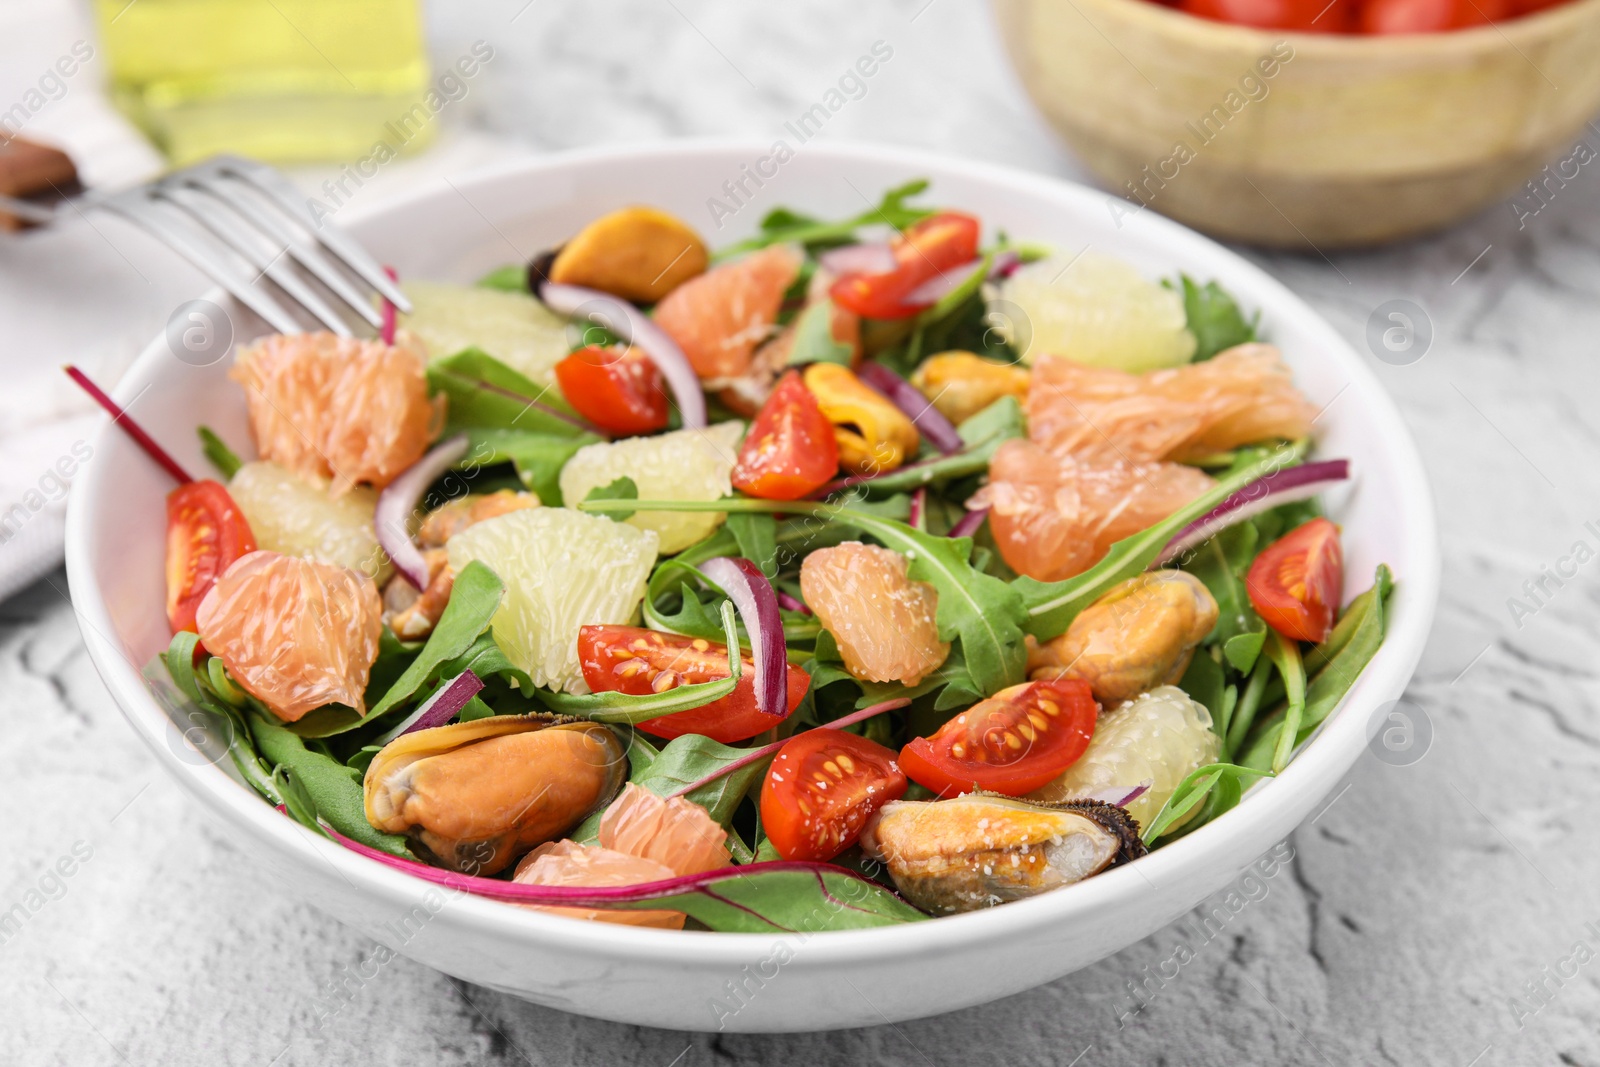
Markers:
(1289, 139)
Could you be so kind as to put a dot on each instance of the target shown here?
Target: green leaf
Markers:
(1242, 649)
(466, 377)
(690, 758)
(621, 489)
(394, 656)
(511, 278)
(487, 660)
(782, 225)
(1194, 789)
(1337, 672)
(1214, 318)
(328, 785)
(538, 457)
(757, 536)
(1204, 683)
(1285, 656)
(474, 599)
(1051, 606)
(221, 456)
(1221, 564)
(205, 712)
(983, 433)
(813, 337)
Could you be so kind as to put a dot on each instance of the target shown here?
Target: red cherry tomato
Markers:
(1014, 742)
(822, 788)
(927, 249)
(1430, 16)
(1296, 583)
(1306, 16)
(790, 451)
(630, 659)
(206, 532)
(618, 389)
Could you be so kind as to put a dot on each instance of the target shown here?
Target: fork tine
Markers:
(241, 197)
(267, 258)
(138, 208)
(284, 195)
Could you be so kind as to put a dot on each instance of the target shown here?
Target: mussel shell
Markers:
(982, 849)
(474, 796)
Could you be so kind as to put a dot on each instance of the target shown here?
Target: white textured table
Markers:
(1434, 913)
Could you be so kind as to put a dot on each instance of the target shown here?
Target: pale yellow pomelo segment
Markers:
(682, 465)
(563, 570)
(512, 327)
(1095, 310)
(294, 517)
(1157, 737)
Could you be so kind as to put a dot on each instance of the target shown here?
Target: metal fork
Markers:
(241, 222)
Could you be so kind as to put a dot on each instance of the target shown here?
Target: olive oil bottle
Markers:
(280, 80)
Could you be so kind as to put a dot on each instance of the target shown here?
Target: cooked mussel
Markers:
(982, 849)
(476, 795)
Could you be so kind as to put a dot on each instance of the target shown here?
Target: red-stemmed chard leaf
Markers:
(120, 417)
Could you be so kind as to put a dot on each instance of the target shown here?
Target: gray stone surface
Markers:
(1424, 907)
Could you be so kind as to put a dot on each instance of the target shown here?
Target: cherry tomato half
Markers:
(1306, 16)
(1014, 742)
(790, 451)
(926, 249)
(1429, 16)
(822, 788)
(206, 532)
(620, 390)
(1296, 583)
(630, 659)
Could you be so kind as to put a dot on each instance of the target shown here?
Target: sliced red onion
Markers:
(1004, 266)
(637, 329)
(919, 503)
(968, 524)
(753, 595)
(942, 285)
(399, 500)
(916, 407)
(1263, 494)
(859, 259)
(445, 703)
(1120, 795)
(386, 331)
(789, 603)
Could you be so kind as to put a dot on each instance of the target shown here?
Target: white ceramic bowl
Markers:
(674, 979)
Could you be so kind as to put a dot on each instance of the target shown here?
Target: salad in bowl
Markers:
(863, 571)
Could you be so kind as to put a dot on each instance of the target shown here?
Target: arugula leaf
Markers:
(333, 789)
(813, 337)
(221, 456)
(757, 536)
(1194, 789)
(783, 225)
(511, 278)
(622, 488)
(1221, 564)
(983, 433)
(487, 660)
(1214, 318)
(1051, 606)
(474, 599)
(1204, 682)
(476, 385)
(212, 716)
(538, 457)
(689, 758)
(1285, 656)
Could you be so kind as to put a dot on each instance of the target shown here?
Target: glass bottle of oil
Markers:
(280, 80)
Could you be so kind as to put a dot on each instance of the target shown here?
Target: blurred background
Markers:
(1360, 955)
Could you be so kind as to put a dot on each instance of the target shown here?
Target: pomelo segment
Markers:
(512, 327)
(337, 408)
(295, 517)
(295, 633)
(567, 863)
(681, 465)
(720, 317)
(1239, 397)
(563, 570)
(1094, 310)
(1054, 518)
(882, 621)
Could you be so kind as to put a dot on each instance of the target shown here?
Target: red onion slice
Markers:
(445, 703)
(916, 407)
(399, 499)
(753, 596)
(1004, 266)
(789, 603)
(859, 259)
(1120, 795)
(637, 329)
(942, 285)
(968, 524)
(919, 504)
(1264, 494)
